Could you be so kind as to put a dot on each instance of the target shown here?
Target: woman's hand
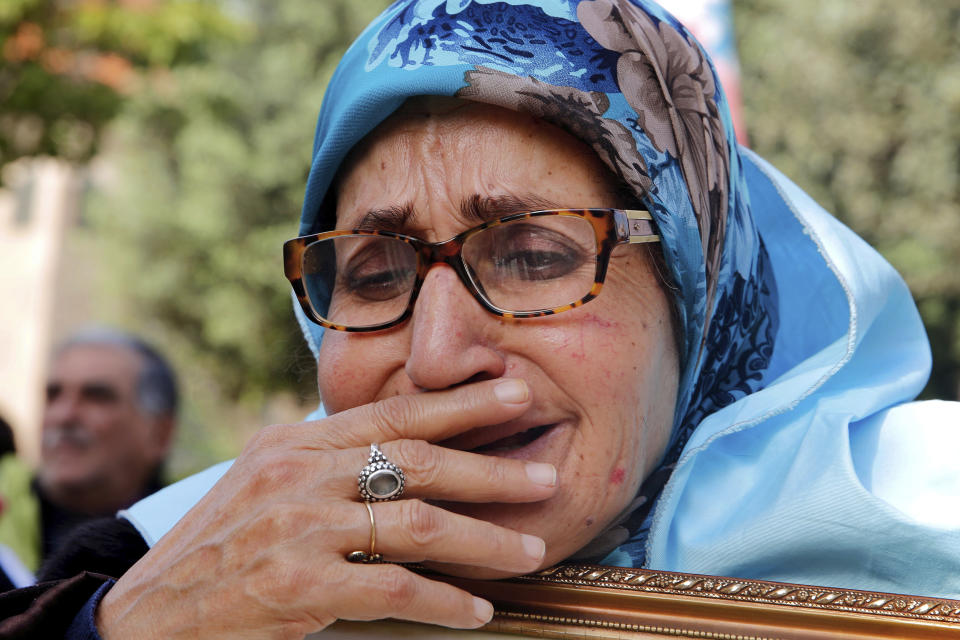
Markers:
(263, 554)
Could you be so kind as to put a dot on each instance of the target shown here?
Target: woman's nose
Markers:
(454, 340)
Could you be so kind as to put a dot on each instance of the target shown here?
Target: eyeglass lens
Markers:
(527, 264)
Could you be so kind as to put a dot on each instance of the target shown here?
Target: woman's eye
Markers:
(374, 276)
(375, 285)
(537, 262)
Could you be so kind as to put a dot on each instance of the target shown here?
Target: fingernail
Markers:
(534, 546)
(512, 391)
(482, 609)
(542, 473)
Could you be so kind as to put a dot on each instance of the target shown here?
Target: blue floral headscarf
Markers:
(631, 82)
(796, 455)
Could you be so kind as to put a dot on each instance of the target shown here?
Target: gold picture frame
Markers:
(593, 602)
(590, 601)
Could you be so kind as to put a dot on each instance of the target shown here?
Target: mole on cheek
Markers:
(617, 475)
(589, 521)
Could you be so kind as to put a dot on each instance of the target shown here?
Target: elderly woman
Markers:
(558, 313)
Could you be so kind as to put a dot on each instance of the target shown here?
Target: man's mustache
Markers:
(71, 434)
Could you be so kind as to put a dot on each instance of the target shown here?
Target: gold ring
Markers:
(371, 557)
(373, 530)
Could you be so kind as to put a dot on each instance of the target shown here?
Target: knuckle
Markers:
(418, 457)
(279, 584)
(391, 416)
(273, 473)
(323, 440)
(268, 438)
(282, 519)
(421, 523)
(398, 587)
(504, 541)
(498, 471)
(292, 588)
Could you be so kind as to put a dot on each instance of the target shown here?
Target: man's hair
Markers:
(157, 384)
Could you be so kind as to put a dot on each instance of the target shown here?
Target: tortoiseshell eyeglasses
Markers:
(523, 265)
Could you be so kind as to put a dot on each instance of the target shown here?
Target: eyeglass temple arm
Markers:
(636, 226)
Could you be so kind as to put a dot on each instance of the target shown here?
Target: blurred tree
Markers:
(211, 165)
(859, 103)
(66, 66)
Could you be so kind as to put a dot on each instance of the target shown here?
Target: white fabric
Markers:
(907, 456)
(155, 515)
(11, 565)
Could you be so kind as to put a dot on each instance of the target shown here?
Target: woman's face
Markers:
(602, 376)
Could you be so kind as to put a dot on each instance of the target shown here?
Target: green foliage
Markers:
(163, 35)
(214, 161)
(859, 103)
(67, 66)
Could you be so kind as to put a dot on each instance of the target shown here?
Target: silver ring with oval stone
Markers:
(380, 480)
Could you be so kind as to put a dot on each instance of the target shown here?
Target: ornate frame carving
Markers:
(589, 601)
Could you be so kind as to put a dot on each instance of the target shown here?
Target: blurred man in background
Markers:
(109, 419)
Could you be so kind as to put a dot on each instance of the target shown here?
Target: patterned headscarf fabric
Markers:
(798, 341)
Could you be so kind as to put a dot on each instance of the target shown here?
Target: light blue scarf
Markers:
(798, 341)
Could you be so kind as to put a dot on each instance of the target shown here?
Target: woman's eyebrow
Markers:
(393, 218)
(485, 208)
(474, 208)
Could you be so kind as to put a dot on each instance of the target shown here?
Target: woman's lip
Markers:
(516, 441)
(483, 436)
(531, 450)
(539, 448)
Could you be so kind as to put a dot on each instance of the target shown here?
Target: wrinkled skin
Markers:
(262, 555)
(597, 372)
